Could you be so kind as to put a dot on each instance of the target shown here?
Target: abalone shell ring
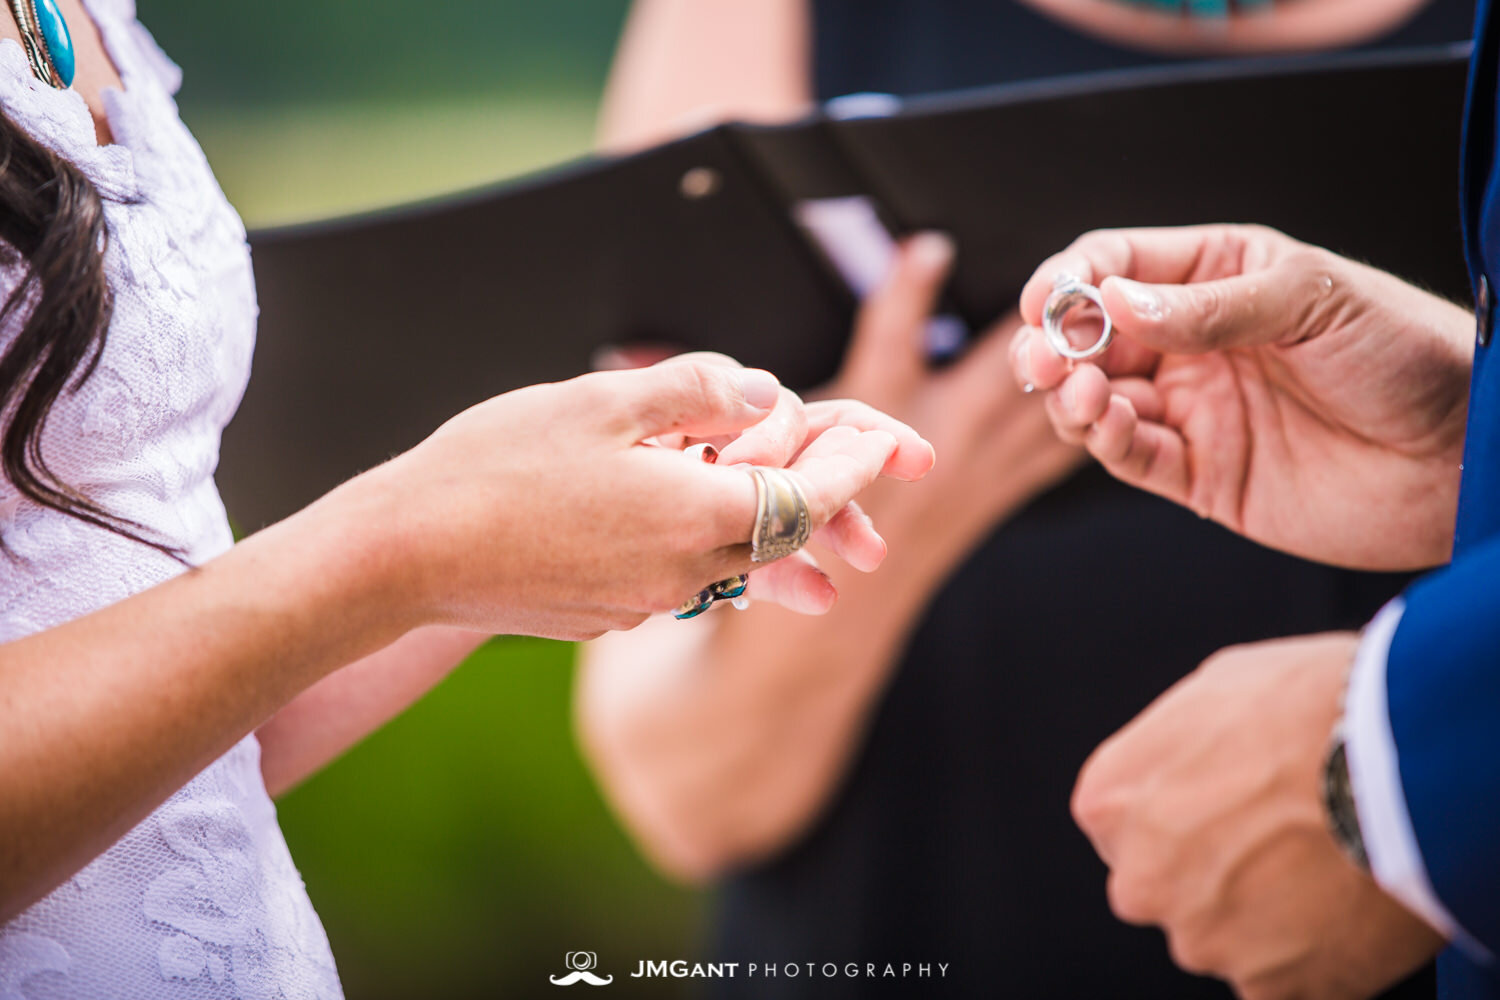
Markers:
(782, 522)
(695, 605)
(731, 589)
(1067, 294)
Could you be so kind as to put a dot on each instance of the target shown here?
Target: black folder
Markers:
(375, 329)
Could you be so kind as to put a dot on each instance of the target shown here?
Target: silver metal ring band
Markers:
(1068, 294)
(782, 522)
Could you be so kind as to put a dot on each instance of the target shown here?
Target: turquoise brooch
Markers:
(48, 44)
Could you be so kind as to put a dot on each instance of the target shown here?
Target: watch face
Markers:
(1338, 798)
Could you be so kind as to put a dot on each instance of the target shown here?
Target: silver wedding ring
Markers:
(782, 522)
(1067, 294)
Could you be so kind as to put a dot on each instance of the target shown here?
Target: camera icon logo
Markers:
(580, 966)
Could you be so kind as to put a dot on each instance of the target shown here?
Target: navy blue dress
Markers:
(949, 840)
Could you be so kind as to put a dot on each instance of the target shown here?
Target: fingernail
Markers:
(933, 249)
(760, 387)
(1021, 358)
(813, 598)
(1143, 300)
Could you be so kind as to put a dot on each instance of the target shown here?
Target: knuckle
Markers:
(698, 386)
(1097, 239)
(1310, 264)
(1092, 803)
(594, 391)
(1108, 244)
(1251, 232)
(1225, 660)
(1209, 306)
(1131, 898)
(688, 387)
(1189, 952)
(1259, 988)
(600, 393)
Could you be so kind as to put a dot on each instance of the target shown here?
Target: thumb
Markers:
(887, 346)
(1242, 311)
(693, 397)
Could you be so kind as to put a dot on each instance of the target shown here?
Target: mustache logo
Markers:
(581, 963)
(581, 977)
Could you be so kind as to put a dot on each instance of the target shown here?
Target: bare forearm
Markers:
(719, 741)
(349, 704)
(103, 718)
(683, 63)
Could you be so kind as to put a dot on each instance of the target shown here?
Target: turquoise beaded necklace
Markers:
(44, 35)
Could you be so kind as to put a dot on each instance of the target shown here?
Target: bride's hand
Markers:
(797, 583)
(544, 512)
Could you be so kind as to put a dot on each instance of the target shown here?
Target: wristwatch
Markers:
(1338, 802)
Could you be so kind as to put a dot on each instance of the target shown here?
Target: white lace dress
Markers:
(202, 899)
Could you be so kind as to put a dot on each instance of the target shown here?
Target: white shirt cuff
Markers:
(1375, 776)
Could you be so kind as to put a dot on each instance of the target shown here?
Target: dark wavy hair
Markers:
(53, 218)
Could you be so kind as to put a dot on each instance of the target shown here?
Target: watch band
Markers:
(1338, 802)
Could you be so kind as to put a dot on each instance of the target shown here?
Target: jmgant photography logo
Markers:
(581, 965)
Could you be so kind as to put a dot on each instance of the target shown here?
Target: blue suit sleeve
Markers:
(1443, 691)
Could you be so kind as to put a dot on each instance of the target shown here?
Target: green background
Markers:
(464, 849)
(315, 107)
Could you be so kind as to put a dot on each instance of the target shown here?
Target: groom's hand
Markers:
(1312, 403)
(1208, 810)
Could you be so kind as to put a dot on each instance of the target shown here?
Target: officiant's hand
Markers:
(1309, 402)
(720, 745)
(996, 451)
(542, 512)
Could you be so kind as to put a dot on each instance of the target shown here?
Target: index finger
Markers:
(838, 466)
(1171, 255)
(774, 441)
(913, 457)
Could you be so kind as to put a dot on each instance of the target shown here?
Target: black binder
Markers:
(375, 329)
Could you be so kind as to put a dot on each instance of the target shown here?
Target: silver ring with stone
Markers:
(782, 522)
(1068, 293)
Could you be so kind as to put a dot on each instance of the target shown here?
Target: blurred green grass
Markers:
(287, 163)
(462, 850)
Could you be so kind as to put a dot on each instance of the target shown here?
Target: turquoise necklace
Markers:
(49, 46)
